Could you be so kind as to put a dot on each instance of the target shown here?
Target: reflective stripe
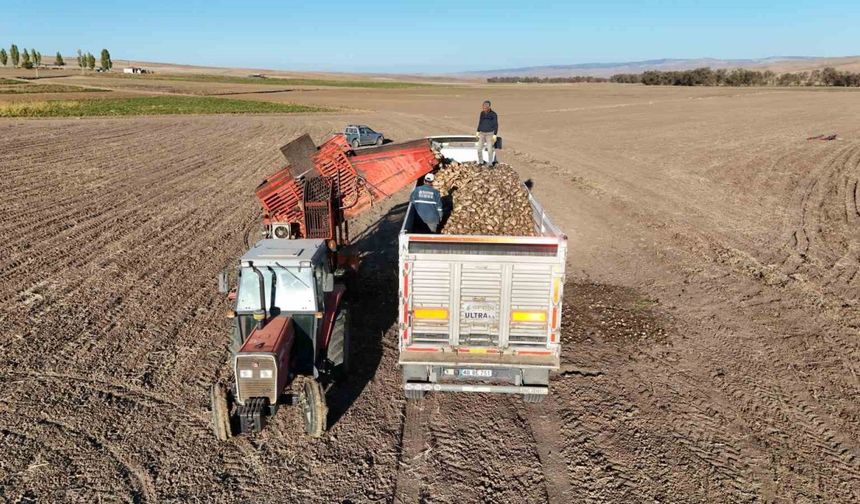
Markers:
(428, 202)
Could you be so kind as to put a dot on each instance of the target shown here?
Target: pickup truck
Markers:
(359, 135)
(480, 313)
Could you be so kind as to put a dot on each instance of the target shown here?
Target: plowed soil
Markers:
(711, 325)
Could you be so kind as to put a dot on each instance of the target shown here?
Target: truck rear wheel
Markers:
(414, 395)
(355, 144)
(314, 409)
(220, 412)
(534, 398)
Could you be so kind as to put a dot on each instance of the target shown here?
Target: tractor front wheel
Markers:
(314, 409)
(220, 412)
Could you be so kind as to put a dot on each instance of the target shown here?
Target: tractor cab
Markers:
(281, 277)
(289, 330)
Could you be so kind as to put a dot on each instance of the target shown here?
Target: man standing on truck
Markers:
(488, 128)
(427, 203)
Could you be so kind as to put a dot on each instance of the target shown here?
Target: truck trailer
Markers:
(480, 313)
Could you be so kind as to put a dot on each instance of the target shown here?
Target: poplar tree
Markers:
(25, 60)
(107, 64)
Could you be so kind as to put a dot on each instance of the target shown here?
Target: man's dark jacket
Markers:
(489, 122)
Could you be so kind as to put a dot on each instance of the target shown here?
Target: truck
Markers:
(480, 313)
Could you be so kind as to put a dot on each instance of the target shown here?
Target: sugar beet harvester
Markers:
(290, 321)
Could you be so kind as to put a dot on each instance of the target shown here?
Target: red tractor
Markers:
(291, 325)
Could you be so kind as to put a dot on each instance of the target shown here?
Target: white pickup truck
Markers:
(480, 313)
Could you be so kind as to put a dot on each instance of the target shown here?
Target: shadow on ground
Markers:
(372, 296)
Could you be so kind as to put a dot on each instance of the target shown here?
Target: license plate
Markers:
(475, 373)
(480, 312)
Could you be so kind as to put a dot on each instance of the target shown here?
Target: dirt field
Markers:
(711, 329)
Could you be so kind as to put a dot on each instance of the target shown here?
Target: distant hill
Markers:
(182, 68)
(776, 63)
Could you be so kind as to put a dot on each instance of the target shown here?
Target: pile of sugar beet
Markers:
(485, 200)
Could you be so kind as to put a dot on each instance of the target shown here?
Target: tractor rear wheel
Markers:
(338, 344)
(314, 409)
(220, 412)
(236, 338)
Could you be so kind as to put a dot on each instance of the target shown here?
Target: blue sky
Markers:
(427, 36)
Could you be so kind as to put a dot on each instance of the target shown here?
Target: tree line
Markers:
(33, 58)
(705, 76)
(546, 80)
(24, 59)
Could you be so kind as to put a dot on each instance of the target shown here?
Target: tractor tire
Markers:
(347, 345)
(414, 395)
(380, 141)
(534, 398)
(314, 410)
(236, 339)
(220, 412)
(338, 345)
(355, 144)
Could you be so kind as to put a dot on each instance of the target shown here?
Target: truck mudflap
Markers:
(462, 387)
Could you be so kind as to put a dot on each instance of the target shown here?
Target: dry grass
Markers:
(148, 105)
(44, 88)
(270, 81)
(36, 109)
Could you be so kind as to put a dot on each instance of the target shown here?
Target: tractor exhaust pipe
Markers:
(260, 316)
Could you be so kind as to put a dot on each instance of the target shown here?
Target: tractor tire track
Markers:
(544, 424)
(407, 486)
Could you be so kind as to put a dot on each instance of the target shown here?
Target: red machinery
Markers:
(319, 189)
(290, 320)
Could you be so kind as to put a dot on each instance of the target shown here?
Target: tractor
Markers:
(290, 335)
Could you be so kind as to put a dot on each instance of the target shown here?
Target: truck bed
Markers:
(543, 226)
